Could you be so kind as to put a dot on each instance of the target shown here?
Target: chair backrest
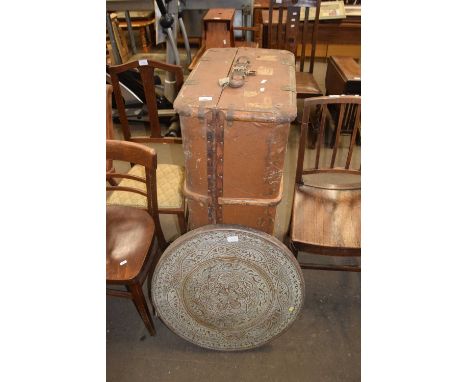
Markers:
(146, 70)
(137, 154)
(109, 125)
(289, 28)
(349, 114)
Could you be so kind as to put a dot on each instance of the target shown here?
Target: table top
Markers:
(227, 287)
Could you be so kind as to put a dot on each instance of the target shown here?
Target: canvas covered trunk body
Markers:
(235, 139)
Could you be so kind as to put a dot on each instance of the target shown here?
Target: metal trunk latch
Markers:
(238, 73)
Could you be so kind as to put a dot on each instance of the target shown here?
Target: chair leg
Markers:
(140, 303)
(182, 222)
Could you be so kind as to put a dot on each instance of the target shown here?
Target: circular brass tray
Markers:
(227, 287)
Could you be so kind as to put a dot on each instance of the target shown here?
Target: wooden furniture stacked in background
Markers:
(326, 215)
(257, 36)
(218, 32)
(218, 28)
(343, 77)
(134, 238)
(116, 41)
(259, 6)
(170, 177)
(335, 37)
(121, 52)
(144, 21)
(285, 31)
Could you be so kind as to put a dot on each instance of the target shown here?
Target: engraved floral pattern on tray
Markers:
(227, 295)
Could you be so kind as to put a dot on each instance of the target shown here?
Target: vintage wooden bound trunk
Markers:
(234, 139)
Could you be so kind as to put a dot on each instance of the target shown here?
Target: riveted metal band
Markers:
(215, 158)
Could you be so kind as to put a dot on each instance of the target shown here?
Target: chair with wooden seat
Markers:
(143, 21)
(170, 177)
(289, 28)
(326, 215)
(134, 238)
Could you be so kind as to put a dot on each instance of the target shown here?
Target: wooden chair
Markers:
(170, 177)
(326, 215)
(144, 21)
(118, 47)
(145, 68)
(134, 238)
(287, 31)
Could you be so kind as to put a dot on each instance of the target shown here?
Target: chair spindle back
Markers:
(287, 31)
(349, 114)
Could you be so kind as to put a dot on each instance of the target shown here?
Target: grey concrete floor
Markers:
(322, 345)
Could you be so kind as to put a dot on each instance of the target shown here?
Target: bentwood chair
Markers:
(326, 215)
(289, 28)
(134, 239)
(170, 177)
